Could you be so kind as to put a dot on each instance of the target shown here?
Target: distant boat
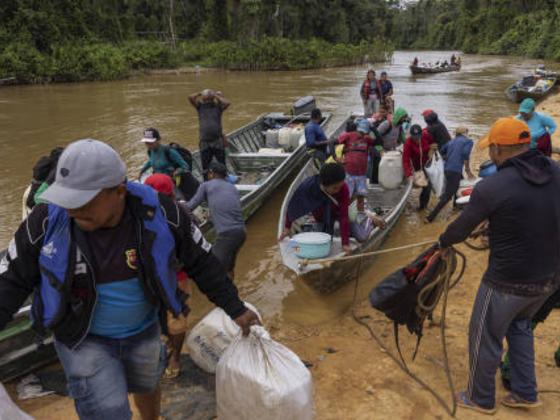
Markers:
(430, 70)
(533, 87)
(327, 278)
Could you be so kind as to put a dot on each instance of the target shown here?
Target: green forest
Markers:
(511, 27)
(73, 40)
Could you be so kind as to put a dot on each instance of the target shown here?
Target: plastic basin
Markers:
(311, 245)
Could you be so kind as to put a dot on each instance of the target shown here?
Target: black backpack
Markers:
(184, 153)
(43, 171)
(410, 295)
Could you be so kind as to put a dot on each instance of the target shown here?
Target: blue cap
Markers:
(527, 106)
(363, 126)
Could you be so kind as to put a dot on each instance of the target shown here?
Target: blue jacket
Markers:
(44, 253)
(456, 152)
(539, 125)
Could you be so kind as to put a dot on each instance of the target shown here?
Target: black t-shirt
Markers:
(114, 250)
(210, 123)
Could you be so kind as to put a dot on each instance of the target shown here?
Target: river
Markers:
(35, 119)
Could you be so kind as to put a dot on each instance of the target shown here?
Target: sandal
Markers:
(465, 402)
(171, 373)
(515, 401)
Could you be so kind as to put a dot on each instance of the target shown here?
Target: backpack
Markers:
(43, 171)
(409, 295)
(184, 153)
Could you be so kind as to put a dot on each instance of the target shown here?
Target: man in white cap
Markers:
(101, 259)
(210, 106)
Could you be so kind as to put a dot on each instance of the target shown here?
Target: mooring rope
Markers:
(326, 261)
(448, 284)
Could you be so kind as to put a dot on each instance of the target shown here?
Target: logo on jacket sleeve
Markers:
(48, 250)
(131, 259)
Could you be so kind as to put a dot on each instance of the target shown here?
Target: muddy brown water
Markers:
(35, 119)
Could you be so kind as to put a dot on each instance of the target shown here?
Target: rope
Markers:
(448, 284)
(326, 261)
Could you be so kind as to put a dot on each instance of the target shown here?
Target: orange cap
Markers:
(507, 131)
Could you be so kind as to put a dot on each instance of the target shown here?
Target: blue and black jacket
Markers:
(41, 259)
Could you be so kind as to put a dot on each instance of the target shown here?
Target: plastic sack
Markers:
(8, 410)
(211, 336)
(435, 171)
(258, 378)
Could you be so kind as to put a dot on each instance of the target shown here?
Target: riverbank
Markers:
(23, 64)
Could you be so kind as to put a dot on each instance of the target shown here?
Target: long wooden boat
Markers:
(531, 87)
(432, 70)
(327, 278)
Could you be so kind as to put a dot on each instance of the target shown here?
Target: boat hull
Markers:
(326, 278)
(433, 70)
(331, 278)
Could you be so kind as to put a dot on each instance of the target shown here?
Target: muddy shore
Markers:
(355, 379)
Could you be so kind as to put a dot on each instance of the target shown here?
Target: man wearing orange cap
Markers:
(522, 204)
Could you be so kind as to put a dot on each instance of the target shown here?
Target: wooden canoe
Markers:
(432, 70)
(326, 279)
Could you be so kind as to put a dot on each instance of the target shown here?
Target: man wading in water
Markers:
(101, 260)
(210, 106)
(522, 204)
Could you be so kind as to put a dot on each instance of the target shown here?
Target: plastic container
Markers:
(295, 135)
(311, 245)
(284, 138)
(304, 104)
(391, 171)
(271, 139)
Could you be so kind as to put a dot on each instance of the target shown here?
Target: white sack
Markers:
(211, 336)
(258, 378)
(436, 174)
(8, 410)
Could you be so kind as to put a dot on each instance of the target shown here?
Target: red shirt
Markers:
(413, 160)
(339, 212)
(356, 148)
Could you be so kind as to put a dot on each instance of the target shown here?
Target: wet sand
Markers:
(358, 380)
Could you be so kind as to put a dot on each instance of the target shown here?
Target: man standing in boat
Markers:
(315, 138)
(101, 261)
(370, 93)
(541, 125)
(210, 106)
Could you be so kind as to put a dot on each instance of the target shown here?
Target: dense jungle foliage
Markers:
(73, 40)
(515, 27)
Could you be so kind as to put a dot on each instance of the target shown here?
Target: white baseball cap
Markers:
(84, 169)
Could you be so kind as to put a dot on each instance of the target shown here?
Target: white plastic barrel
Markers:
(297, 132)
(271, 139)
(391, 172)
(284, 138)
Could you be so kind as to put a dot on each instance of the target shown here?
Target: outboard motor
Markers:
(303, 105)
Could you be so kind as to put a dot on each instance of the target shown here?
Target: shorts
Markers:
(357, 185)
(102, 371)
